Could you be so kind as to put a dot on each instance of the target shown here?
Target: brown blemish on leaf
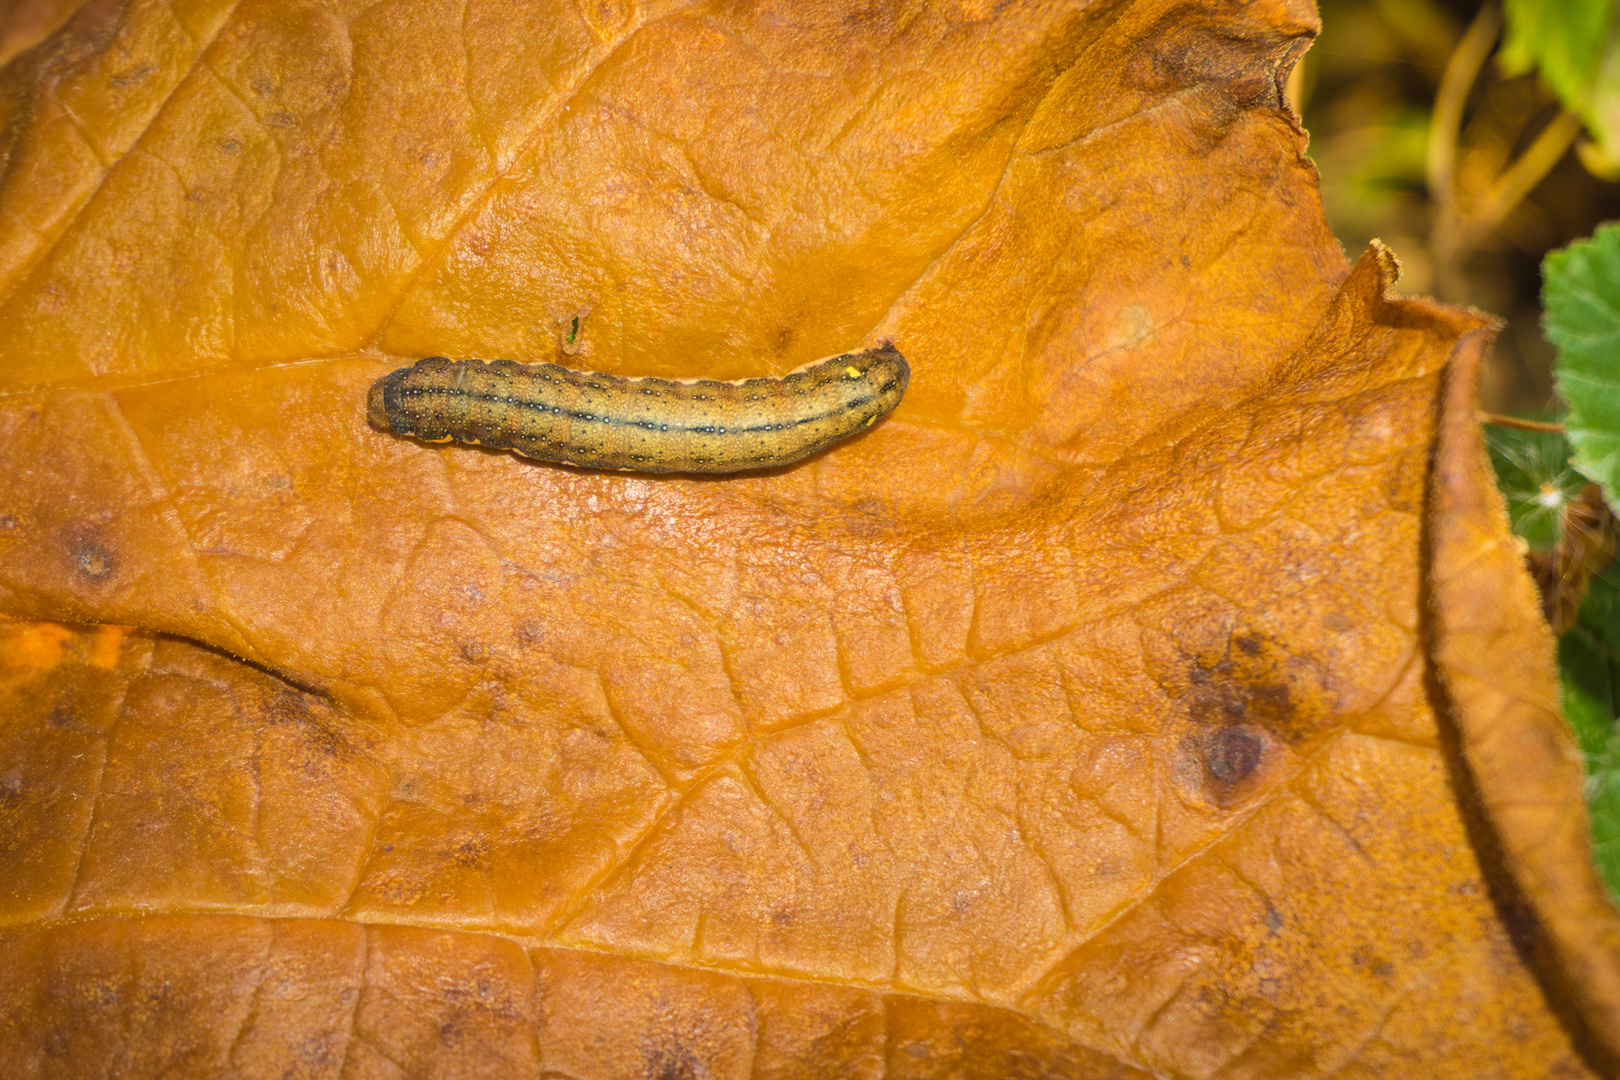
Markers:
(312, 718)
(669, 1061)
(1231, 754)
(1257, 681)
(470, 853)
(93, 560)
(1222, 764)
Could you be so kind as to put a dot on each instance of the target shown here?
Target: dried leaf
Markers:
(1076, 720)
(1496, 659)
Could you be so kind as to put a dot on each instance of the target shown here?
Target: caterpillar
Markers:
(649, 425)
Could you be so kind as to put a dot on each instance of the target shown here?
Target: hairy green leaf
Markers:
(1580, 294)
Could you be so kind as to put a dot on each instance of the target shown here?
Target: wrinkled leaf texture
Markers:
(1156, 693)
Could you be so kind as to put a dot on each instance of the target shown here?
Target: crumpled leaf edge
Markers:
(1519, 773)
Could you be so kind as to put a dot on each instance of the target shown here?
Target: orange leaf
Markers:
(1092, 715)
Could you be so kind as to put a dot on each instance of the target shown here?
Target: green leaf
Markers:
(1588, 684)
(1589, 667)
(1600, 615)
(1587, 675)
(1573, 44)
(1580, 292)
(1562, 39)
(1603, 804)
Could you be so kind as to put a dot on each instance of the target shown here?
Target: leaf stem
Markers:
(1461, 72)
(1528, 170)
(1445, 134)
(1497, 420)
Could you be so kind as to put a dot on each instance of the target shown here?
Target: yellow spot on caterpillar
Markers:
(870, 420)
(852, 373)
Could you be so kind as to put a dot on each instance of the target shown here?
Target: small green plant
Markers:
(1552, 476)
(1574, 46)
(1580, 293)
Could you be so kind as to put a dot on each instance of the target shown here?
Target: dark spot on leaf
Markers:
(1257, 681)
(93, 560)
(1274, 919)
(313, 721)
(103, 994)
(1231, 754)
(1372, 963)
(470, 853)
(671, 1061)
(9, 524)
(1270, 701)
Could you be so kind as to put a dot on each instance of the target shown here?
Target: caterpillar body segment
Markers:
(651, 425)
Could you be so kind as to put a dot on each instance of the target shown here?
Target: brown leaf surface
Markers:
(1078, 720)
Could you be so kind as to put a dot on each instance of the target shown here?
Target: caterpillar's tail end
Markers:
(376, 413)
(891, 356)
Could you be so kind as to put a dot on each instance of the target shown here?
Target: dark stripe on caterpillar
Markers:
(651, 425)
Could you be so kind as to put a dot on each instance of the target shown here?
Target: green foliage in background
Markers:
(1589, 663)
(1580, 295)
(1574, 44)
(1365, 170)
(1532, 469)
(1581, 303)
